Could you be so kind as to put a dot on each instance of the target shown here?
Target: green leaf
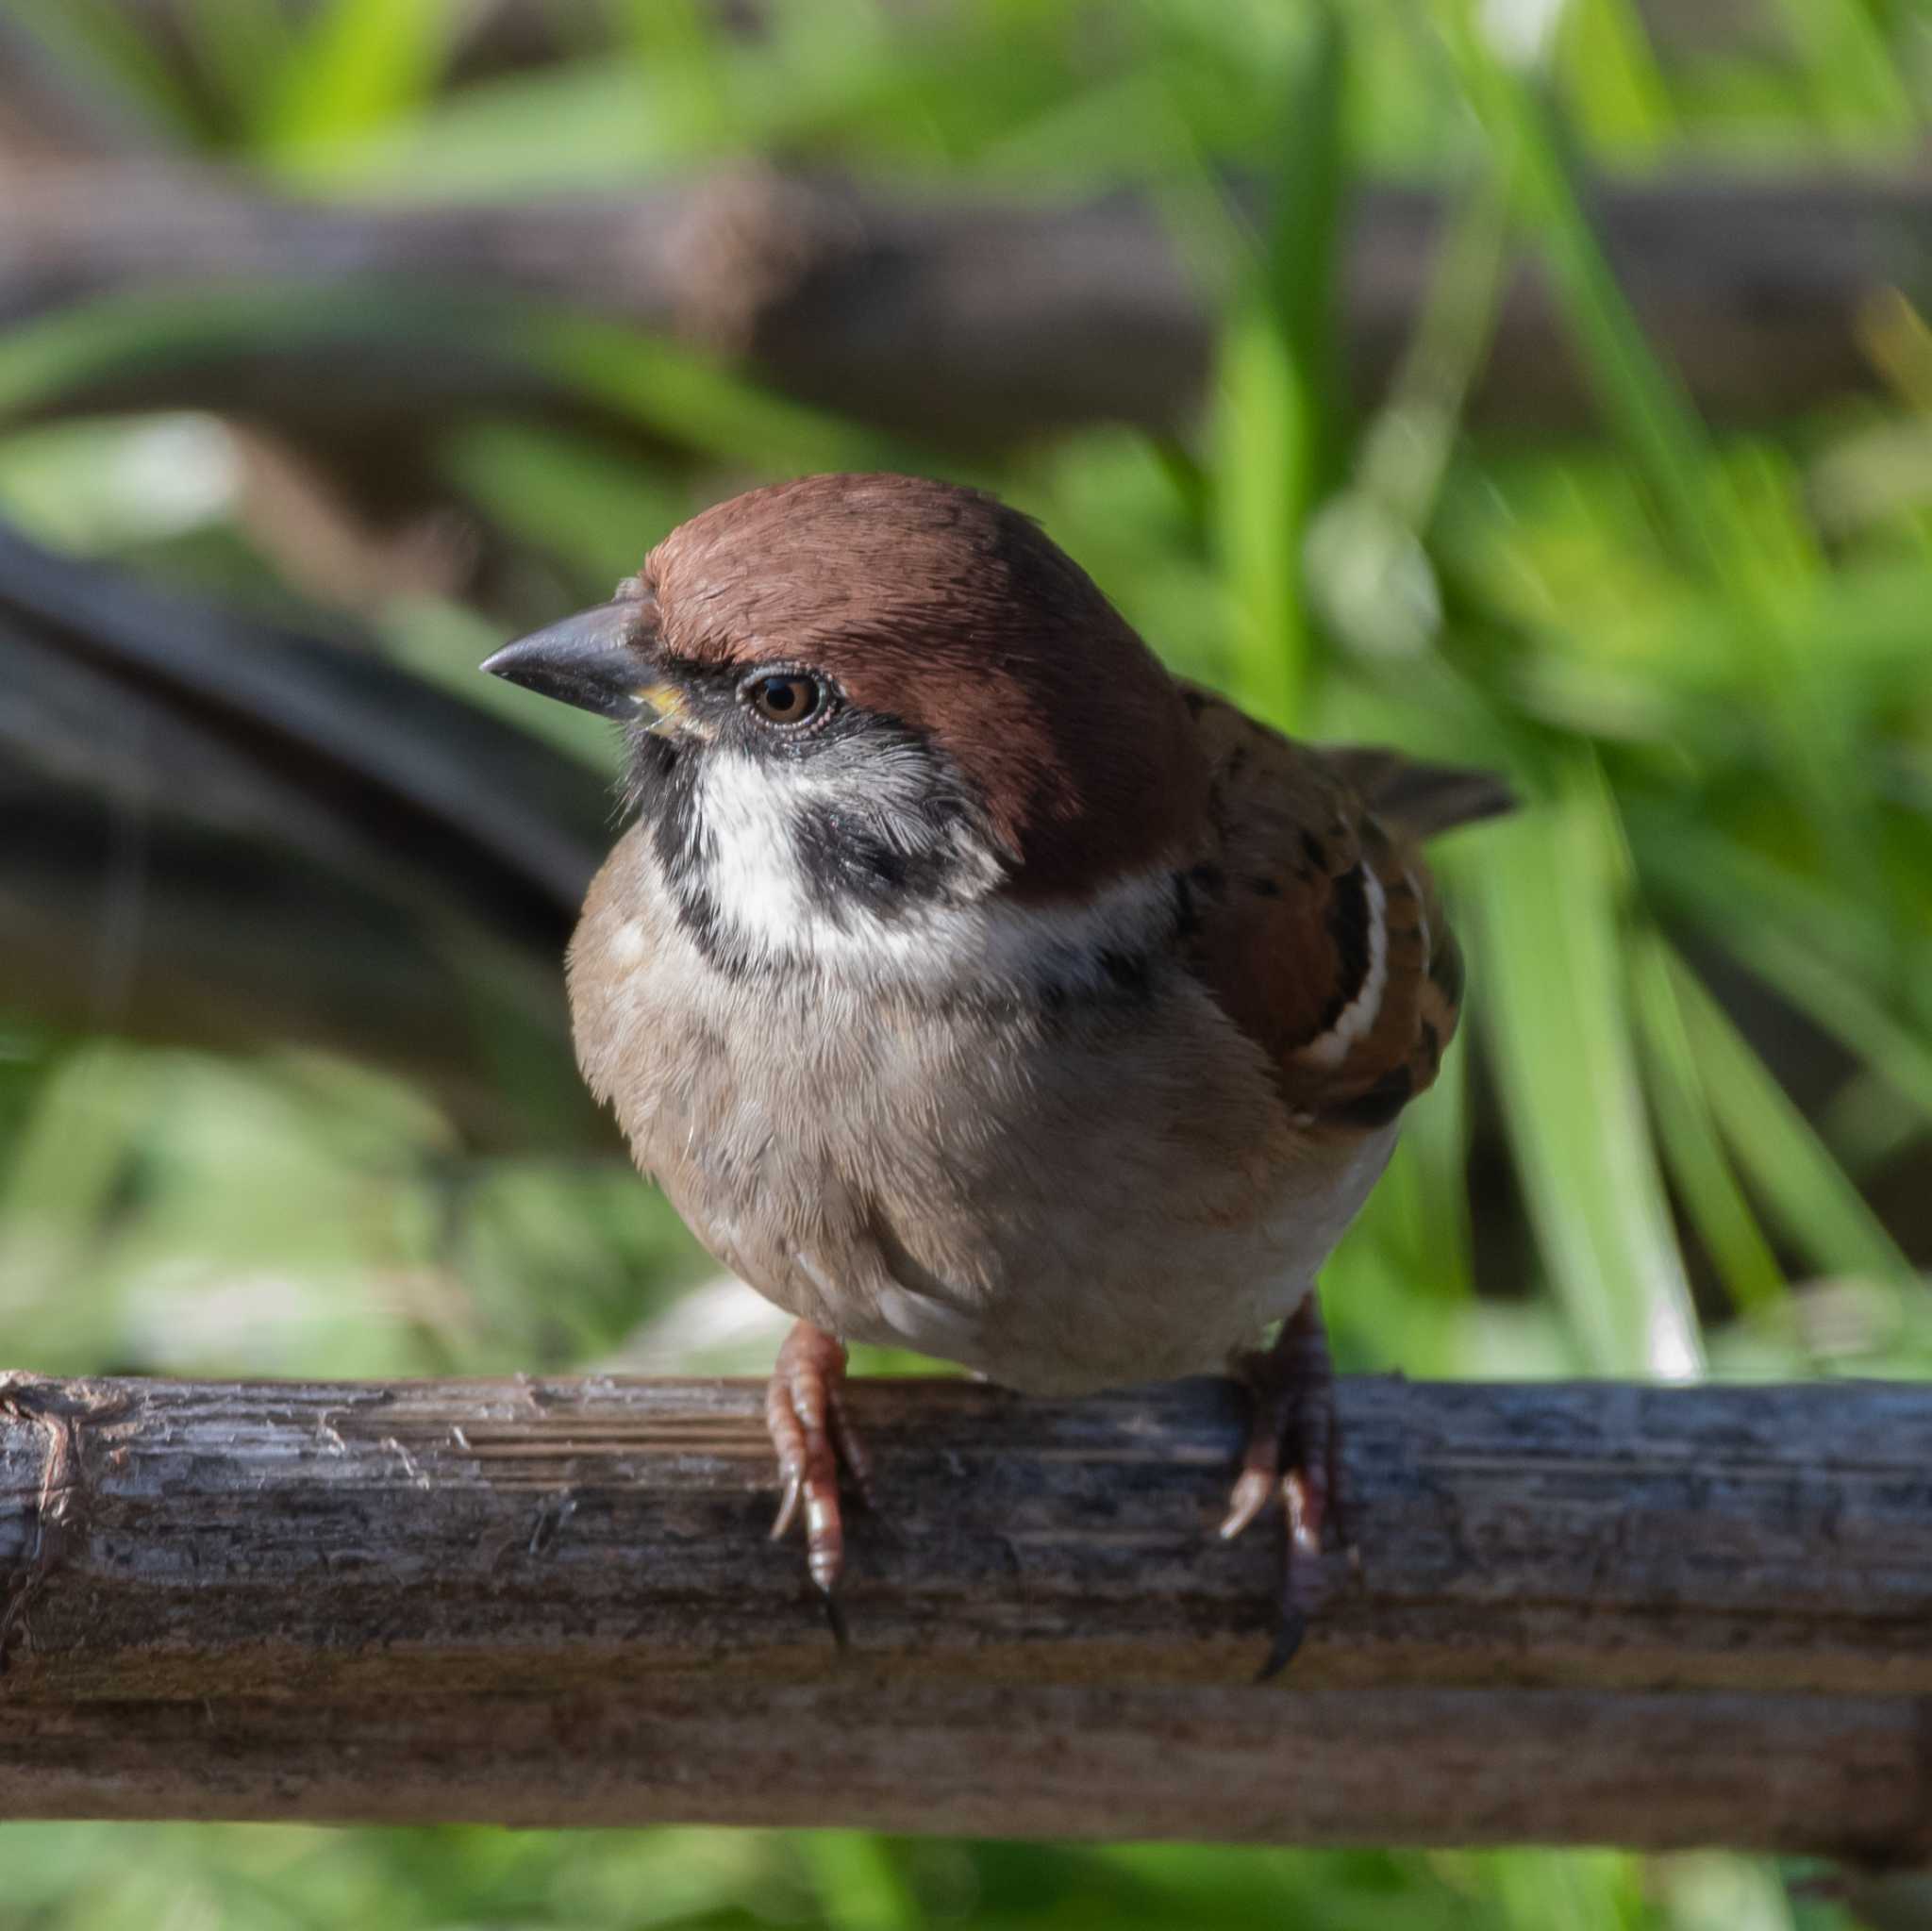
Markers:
(1697, 1159)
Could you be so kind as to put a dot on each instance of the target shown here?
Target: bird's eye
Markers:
(784, 697)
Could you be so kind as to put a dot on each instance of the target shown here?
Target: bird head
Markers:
(855, 704)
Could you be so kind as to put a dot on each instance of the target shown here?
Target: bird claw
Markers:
(788, 1507)
(1305, 1503)
(813, 1434)
(834, 1621)
(1252, 1491)
(1292, 1453)
(1288, 1630)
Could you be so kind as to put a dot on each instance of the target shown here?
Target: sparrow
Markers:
(972, 984)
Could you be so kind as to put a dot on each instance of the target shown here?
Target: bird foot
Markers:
(1292, 1452)
(813, 1433)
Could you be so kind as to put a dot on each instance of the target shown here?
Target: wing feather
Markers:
(1314, 919)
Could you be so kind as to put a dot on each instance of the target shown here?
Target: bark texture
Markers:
(1586, 1613)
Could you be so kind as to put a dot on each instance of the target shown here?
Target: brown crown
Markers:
(941, 607)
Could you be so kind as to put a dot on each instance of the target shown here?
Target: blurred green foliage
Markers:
(1702, 1024)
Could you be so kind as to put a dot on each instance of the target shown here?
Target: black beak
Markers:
(595, 660)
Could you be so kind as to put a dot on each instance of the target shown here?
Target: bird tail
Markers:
(1419, 799)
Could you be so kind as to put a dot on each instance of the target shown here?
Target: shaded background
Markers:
(1544, 386)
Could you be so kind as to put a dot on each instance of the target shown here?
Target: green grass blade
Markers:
(240, 46)
(1856, 87)
(858, 1881)
(567, 496)
(686, 39)
(1606, 67)
(1273, 432)
(357, 64)
(1808, 939)
(1793, 1172)
(682, 394)
(694, 400)
(1554, 1012)
(1691, 1146)
(97, 40)
(1843, 1008)
(1699, 510)
(1644, 403)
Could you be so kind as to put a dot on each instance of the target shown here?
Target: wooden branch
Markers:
(1586, 1613)
(963, 325)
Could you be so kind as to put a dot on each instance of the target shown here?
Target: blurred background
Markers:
(1542, 385)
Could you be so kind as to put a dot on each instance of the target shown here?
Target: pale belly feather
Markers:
(1060, 1205)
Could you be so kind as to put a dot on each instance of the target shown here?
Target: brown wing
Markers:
(1315, 922)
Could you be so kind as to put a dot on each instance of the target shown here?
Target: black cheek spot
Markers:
(1208, 878)
(661, 787)
(1265, 888)
(1313, 852)
(1196, 702)
(697, 912)
(842, 864)
(1187, 916)
(1126, 971)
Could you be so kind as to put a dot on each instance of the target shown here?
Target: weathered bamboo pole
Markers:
(1586, 1612)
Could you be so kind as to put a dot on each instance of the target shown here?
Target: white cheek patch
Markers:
(1358, 1015)
(749, 812)
(754, 874)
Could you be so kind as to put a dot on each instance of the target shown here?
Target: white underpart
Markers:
(748, 811)
(1358, 1015)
